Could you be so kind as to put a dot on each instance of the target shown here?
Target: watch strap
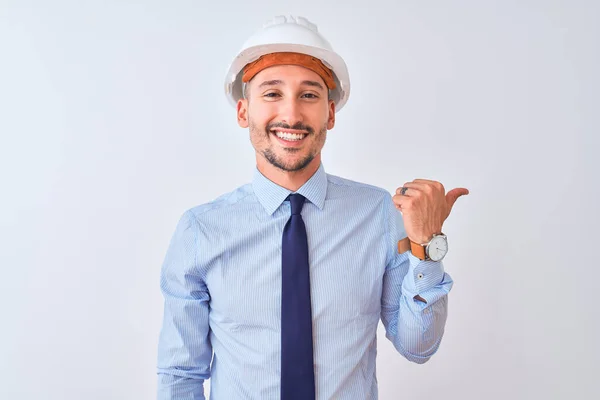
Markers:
(418, 250)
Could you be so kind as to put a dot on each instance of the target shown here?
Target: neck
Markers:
(291, 180)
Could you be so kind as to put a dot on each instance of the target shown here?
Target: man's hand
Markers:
(425, 206)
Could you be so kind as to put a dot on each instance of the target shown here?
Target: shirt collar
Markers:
(271, 195)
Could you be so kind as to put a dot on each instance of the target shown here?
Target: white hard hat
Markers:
(288, 34)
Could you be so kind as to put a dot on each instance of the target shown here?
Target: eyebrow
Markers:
(276, 82)
(271, 83)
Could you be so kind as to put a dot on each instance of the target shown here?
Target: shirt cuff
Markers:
(422, 276)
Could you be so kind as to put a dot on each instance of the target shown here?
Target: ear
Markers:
(242, 113)
(331, 117)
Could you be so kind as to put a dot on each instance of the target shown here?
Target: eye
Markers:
(310, 96)
(271, 94)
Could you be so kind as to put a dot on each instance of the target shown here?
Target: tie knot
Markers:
(296, 201)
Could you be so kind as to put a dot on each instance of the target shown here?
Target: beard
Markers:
(280, 162)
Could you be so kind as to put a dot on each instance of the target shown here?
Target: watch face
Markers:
(437, 249)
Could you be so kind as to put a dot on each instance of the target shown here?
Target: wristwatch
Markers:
(435, 250)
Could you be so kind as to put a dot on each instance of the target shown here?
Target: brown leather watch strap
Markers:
(416, 249)
(403, 245)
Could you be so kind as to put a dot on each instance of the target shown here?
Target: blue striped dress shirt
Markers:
(221, 281)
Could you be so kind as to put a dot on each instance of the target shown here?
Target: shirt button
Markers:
(420, 276)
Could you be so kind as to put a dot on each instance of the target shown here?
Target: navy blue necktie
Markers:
(297, 370)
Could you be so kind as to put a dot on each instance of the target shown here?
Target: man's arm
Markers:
(184, 350)
(414, 300)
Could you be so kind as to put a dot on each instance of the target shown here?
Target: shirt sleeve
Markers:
(184, 349)
(413, 326)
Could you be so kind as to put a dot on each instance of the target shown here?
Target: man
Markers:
(275, 289)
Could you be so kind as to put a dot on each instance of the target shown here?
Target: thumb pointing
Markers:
(454, 194)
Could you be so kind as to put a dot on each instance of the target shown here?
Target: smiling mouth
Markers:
(289, 135)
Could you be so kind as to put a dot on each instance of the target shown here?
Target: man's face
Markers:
(283, 102)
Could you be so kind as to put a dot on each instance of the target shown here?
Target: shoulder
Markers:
(223, 204)
(344, 186)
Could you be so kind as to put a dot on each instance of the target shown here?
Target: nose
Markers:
(291, 112)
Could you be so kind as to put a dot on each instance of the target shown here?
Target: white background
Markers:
(113, 122)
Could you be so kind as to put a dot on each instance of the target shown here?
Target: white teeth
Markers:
(289, 136)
